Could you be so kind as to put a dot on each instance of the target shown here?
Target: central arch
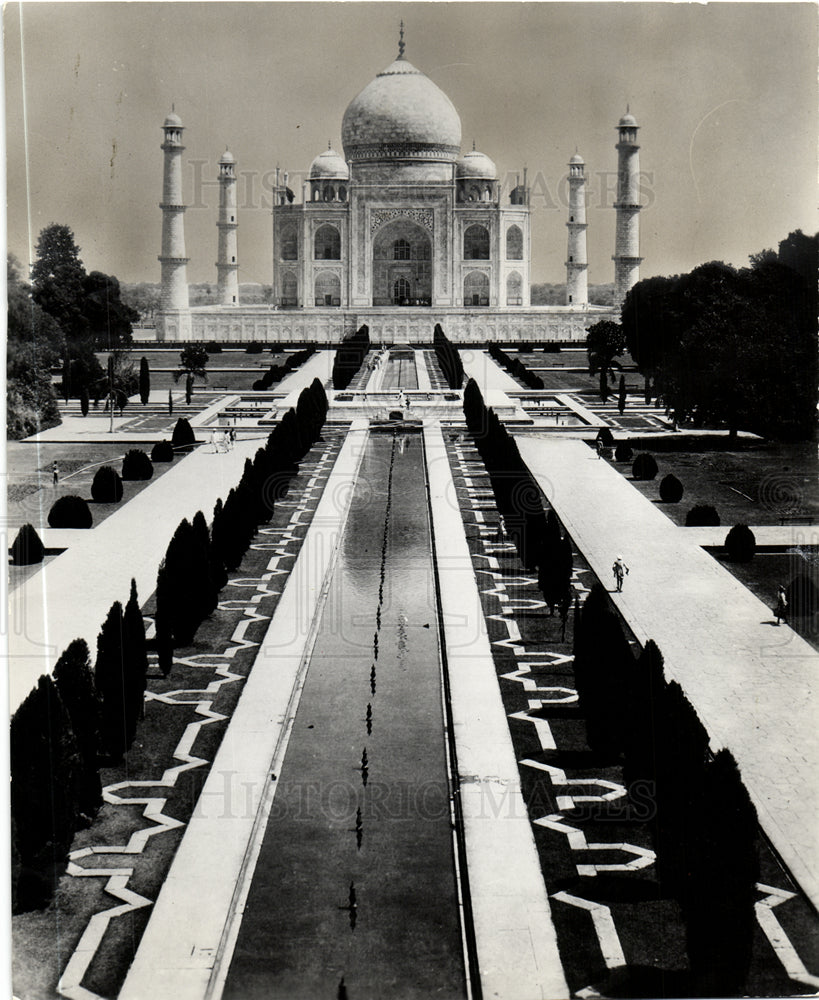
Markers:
(402, 265)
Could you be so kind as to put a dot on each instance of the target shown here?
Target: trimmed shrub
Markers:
(84, 401)
(137, 465)
(671, 489)
(27, 547)
(702, 516)
(213, 347)
(70, 512)
(623, 452)
(605, 437)
(253, 348)
(183, 438)
(144, 381)
(644, 467)
(162, 451)
(802, 595)
(107, 485)
(740, 543)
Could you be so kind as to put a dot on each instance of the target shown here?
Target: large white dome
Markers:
(401, 114)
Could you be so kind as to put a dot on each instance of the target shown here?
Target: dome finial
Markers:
(401, 45)
(329, 144)
(473, 145)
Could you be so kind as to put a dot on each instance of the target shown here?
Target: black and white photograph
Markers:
(411, 500)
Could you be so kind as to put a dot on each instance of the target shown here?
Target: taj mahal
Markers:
(402, 231)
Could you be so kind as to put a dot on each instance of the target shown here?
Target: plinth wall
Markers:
(390, 325)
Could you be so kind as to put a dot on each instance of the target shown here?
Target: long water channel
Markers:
(355, 892)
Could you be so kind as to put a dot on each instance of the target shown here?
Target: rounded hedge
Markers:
(183, 437)
(623, 452)
(27, 548)
(253, 348)
(740, 543)
(644, 467)
(162, 451)
(605, 437)
(137, 465)
(107, 485)
(70, 512)
(802, 595)
(671, 489)
(213, 347)
(702, 516)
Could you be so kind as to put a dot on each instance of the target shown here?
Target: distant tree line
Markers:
(449, 360)
(703, 825)
(733, 347)
(350, 356)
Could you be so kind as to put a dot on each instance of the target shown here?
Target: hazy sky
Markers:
(726, 95)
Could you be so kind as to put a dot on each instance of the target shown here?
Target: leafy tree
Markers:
(621, 395)
(57, 277)
(192, 360)
(110, 321)
(605, 341)
(144, 381)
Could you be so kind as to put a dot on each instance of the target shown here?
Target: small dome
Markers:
(329, 165)
(577, 158)
(476, 165)
(401, 114)
(173, 121)
(628, 121)
(227, 157)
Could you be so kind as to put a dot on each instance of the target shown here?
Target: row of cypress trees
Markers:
(350, 356)
(449, 359)
(515, 367)
(703, 824)
(275, 373)
(517, 494)
(69, 725)
(197, 559)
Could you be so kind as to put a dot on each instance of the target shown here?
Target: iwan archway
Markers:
(402, 265)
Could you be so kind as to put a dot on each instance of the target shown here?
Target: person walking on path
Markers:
(55, 474)
(620, 571)
(781, 609)
(598, 444)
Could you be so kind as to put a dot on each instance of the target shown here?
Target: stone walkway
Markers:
(753, 686)
(69, 598)
(514, 934)
(489, 375)
(197, 914)
(318, 365)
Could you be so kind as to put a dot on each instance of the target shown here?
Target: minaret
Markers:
(577, 288)
(627, 239)
(174, 292)
(227, 289)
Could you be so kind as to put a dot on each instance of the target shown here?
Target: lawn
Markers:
(759, 483)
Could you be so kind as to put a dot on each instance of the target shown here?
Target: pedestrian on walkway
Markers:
(598, 444)
(213, 440)
(620, 570)
(781, 609)
(231, 437)
(55, 474)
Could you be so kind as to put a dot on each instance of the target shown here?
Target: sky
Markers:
(725, 94)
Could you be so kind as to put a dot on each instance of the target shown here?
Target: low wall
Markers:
(390, 326)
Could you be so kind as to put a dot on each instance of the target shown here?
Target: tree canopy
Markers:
(733, 347)
(192, 361)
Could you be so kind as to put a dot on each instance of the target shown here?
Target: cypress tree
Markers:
(170, 403)
(144, 381)
(207, 591)
(621, 394)
(46, 782)
(84, 401)
(27, 548)
(75, 684)
(111, 682)
(136, 662)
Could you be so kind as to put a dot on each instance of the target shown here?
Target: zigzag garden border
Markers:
(605, 952)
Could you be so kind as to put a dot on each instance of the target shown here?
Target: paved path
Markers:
(191, 928)
(318, 365)
(753, 685)
(70, 596)
(765, 534)
(489, 375)
(514, 934)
